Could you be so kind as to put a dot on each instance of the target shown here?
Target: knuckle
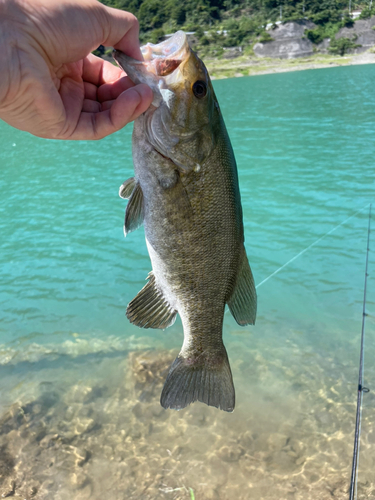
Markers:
(133, 21)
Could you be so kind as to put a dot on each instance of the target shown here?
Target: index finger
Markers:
(97, 71)
(129, 43)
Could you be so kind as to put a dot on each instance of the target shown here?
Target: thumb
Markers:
(126, 108)
(122, 32)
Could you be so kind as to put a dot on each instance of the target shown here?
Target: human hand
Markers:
(50, 85)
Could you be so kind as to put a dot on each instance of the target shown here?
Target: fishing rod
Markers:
(361, 389)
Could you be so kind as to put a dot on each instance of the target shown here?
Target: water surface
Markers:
(80, 386)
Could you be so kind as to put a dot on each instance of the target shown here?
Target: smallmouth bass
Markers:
(185, 191)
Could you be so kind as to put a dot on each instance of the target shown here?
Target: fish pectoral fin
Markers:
(150, 309)
(127, 188)
(243, 301)
(207, 379)
(134, 211)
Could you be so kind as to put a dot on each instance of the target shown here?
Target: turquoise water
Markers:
(72, 366)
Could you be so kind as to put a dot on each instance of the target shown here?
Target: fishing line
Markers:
(361, 389)
(312, 244)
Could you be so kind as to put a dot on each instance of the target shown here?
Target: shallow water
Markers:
(79, 386)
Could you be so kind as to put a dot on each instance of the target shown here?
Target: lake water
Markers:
(80, 386)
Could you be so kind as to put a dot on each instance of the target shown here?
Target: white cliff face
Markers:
(288, 41)
(363, 32)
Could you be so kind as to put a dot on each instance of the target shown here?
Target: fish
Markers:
(185, 191)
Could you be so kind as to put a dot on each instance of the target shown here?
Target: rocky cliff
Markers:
(362, 33)
(289, 40)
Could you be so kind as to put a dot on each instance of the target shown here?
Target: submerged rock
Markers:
(107, 436)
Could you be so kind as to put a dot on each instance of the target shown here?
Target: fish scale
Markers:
(185, 178)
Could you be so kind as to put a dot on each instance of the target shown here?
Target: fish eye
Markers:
(200, 89)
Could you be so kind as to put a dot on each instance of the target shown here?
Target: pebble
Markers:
(82, 425)
(8, 487)
(48, 440)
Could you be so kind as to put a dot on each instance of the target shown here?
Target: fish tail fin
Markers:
(207, 379)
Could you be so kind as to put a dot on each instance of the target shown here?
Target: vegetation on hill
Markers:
(231, 23)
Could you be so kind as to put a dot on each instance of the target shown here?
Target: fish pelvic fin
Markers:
(243, 301)
(134, 214)
(150, 309)
(207, 379)
(127, 188)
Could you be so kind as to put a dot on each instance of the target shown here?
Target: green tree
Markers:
(342, 45)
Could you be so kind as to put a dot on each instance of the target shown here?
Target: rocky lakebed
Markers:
(91, 427)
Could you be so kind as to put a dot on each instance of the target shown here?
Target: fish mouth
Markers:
(162, 63)
(163, 58)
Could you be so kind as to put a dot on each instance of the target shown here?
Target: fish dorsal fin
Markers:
(150, 309)
(127, 188)
(243, 301)
(134, 211)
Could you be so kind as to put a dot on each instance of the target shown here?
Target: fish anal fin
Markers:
(208, 379)
(243, 301)
(149, 309)
(134, 214)
(127, 188)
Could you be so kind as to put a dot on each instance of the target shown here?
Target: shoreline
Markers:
(250, 65)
